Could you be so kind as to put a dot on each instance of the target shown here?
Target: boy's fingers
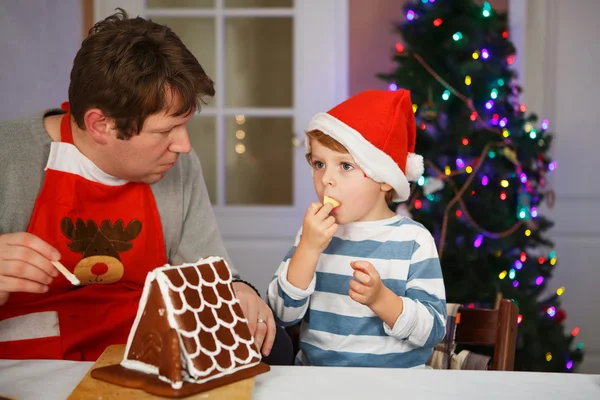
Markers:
(325, 210)
(329, 221)
(332, 230)
(365, 266)
(357, 287)
(361, 265)
(362, 277)
(313, 208)
(356, 296)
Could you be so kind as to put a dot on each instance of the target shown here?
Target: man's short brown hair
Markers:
(127, 67)
(332, 144)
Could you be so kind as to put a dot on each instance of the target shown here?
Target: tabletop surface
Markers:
(37, 379)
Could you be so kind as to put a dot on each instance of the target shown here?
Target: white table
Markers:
(56, 379)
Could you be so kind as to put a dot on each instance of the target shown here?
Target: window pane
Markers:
(258, 62)
(180, 3)
(198, 35)
(202, 131)
(259, 3)
(259, 161)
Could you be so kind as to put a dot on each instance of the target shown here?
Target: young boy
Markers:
(365, 282)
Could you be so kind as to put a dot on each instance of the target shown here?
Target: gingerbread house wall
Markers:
(150, 332)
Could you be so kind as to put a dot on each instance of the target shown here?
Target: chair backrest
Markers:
(497, 328)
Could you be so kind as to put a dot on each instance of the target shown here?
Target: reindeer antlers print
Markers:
(120, 237)
(109, 239)
(81, 236)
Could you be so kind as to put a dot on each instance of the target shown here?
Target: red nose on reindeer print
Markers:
(101, 262)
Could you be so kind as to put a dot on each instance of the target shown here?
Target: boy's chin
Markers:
(340, 219)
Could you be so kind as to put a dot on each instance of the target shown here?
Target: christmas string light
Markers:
(502, 132)
(456, 93)
(525, 211)
(458, 198)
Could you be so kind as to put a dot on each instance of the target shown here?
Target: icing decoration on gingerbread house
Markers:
(190, 326)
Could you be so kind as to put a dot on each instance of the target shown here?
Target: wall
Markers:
(39, 41)
(561, 84)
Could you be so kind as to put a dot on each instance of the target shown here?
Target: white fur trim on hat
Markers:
(374, 162)
(414, 167)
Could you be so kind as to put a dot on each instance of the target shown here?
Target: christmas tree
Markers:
(485, 175)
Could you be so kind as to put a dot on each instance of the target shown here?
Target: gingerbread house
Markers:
(190, 329)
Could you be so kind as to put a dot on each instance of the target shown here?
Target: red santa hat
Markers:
(378, 129)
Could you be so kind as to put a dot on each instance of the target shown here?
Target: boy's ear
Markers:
(385, 187)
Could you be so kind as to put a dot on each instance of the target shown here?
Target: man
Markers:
(110, 186)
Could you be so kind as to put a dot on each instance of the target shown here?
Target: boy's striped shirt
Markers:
(338, 331)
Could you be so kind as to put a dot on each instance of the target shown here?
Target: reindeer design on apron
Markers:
(100, 247)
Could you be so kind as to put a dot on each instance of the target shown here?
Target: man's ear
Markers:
(99, 127)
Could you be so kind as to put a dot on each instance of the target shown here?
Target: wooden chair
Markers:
(497, 328)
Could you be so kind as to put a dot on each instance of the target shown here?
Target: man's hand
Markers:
(25, 264)
(259, 316)
(367, 287)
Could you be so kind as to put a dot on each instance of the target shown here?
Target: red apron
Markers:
(109, 235)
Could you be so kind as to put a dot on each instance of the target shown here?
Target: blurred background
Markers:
(277, 62)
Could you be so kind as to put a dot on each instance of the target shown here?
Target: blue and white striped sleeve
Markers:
(289, 303)
(423, 320)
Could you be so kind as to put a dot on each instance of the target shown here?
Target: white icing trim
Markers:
(141, 307)
(378, 165)
(223, 373)
(66, 157)
(196, 353)
(218, 278)
(226, 324)
(232, 347)
(174, 385)
(140, 366)
(164, 291)
(194, 333)
(246, 361)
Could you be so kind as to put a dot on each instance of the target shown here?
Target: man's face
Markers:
(148, 156)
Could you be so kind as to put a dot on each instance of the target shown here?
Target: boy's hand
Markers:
(369, 287)
(318, 227)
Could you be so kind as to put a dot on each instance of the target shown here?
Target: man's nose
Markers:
(181, 142)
